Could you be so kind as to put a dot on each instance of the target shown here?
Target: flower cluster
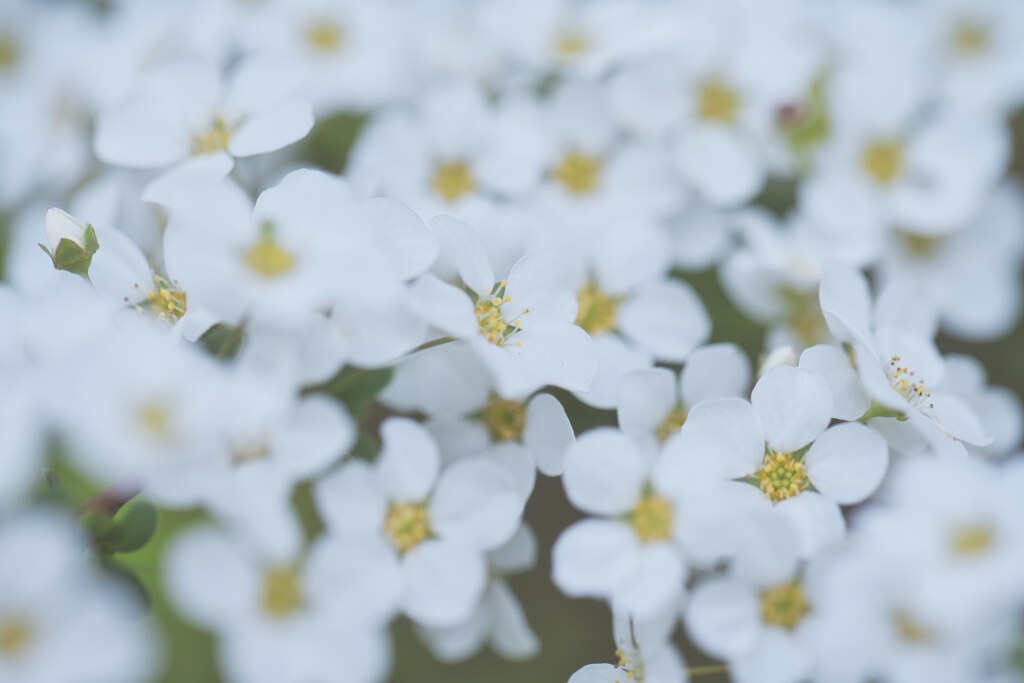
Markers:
(324, 284)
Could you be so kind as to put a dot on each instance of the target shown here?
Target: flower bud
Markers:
(72, 243)
(780, 355)
(62, 225)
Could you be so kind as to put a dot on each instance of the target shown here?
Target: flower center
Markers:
(972, 540)
(10, 52)
(784, 605)
(504, 419)
(782, 476)
(453, 179)
(596, 309)
(803, 314)
(910, 630)
(325, 35)
(578, 172)
(267, 258)
(15, 636)
(213, 139)
(570, 43)
(969, 38)
(490, 322)
(901, 378)
(883, 160)
(165, 301)
(921, 247)
(717, 102)
(671, 424)
(407, 525)
(282, 592)
(250, 452)
(652, 518)
(156, 420)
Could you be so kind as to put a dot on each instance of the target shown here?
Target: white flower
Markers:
(293, 618)
(897, 362)
(521, 327)
(654, 403)
(645, 654)
(438, 524)
(783, 455)
(58, 620)
(183, 110)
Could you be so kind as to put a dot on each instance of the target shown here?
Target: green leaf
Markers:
(130, 529)
(223, 341)
(355, 387)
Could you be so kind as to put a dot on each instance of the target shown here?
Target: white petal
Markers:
(816, 519)
(722, 167)
(350, 501)
(645, 397)
(666, 318)
(414, 246)
(476, 503)
(444, 582)
(443, 306)
(724, 618)
(778, 658)
(794, 404)
(548, 434)
(657, 580)
(715, 371)
(592, 557)
(604, 472)
(846, 303)
(512, 637)
(208, 578)
(272, 129)
(139, 134)
(850, 401)
(409, 460)
(462, 246)
(726, 431)
(561, 355)
(598, 673)
(847, 462)
(959, 419)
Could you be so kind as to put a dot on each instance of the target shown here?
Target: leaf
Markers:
(223, 341)
(130, 529)
(355, 387)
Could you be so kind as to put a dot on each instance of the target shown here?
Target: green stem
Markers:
(706, 670)
(431, 344)
(876, 409)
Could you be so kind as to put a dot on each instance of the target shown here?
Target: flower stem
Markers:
(431, 344)
(707, 670)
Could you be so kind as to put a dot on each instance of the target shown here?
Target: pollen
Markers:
(782, 476)
(213, 139)
(578, 172)
(267, 258)
(910, 630)
(882, 160)
(407, 525)
(919, 246)
(15, 636)
(570, 43)
(671, 424)
(250, 452)
(597, 309)
(325, 36)
(784, 605)
(453, 179)
(717, 102)
(905, 382)
(972, 540)
(165, 301)
(969, 38)
(651, 519)
(490, 321)
(155, 419)
(282, 592)
(504, 419)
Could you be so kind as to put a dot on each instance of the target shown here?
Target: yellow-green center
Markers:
(282, 592)
(596, 309)
(15, 636)
(407, 525)
(570, 43)
(453, 179)
(972, 540)
(782, 476)
(266, 257)
(671, 424)
(651, 518)
(784, 605)
(579, 173)
(165, 301)
(717, 102)
(969, 38)
(882, 160)
(10, 52)
(213, 139)
(156, 419)
(504, 418)
(325, 35)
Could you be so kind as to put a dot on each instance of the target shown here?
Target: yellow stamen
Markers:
(282, 592)
(969, 38)
(325, 35)
(652, 518)
(671, 424)
(570, 43)
(156, 420)
(453, 179)
(165, 300)
(921, 247)
(901, 378)
(784, 605)
(596, 311)
(910, 630)
(882, 160)
(578, 172)
(268, 258)
(972, 540)
(213, 139)
(407, 525)
(716, 101)
(15, 636)
(782, 476)
(504, 419)
(10, 52)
